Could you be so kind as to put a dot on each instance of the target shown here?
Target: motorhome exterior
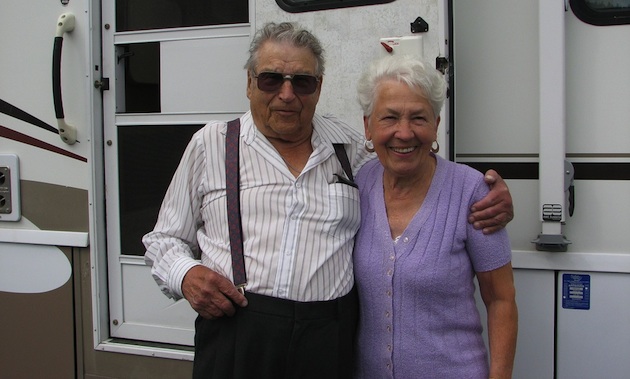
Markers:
(99, 98)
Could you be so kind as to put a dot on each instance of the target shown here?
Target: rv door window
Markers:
(602, 12)
(142, 77)
(163, 14)
(295, 6)
(147, 156)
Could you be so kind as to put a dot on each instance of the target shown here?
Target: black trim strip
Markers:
(508, 170)
(602, 171)
(583, 171)
(16, 112)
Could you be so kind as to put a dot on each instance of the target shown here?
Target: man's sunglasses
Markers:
(272, 81)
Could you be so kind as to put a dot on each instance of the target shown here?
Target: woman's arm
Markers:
(498, 294)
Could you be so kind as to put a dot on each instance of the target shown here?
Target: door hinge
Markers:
(102, 84)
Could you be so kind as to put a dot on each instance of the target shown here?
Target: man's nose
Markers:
(286, 90)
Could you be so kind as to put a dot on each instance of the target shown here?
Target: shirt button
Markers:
(389, 272)
(391, 258)
(406, 239)
(389, 293)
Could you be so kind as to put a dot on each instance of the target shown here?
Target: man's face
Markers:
(282, 114)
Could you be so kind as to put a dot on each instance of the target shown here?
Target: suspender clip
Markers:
(241, 288)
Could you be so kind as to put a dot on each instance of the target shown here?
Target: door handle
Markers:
(65, 24)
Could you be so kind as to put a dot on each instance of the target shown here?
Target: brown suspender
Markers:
(233, 204)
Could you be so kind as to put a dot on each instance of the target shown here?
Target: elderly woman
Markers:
(416, 256)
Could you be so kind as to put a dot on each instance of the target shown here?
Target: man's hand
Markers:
(211, 294)
(494, 211)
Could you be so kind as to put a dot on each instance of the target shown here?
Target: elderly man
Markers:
(295, 314)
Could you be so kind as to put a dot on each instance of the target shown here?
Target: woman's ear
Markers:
(437, 124)
(366, 122)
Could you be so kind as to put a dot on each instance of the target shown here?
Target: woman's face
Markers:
(402, 127)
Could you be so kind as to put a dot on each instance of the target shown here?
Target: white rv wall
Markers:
(497, 94)
(26, 83)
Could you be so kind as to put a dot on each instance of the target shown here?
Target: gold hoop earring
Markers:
(435, 149)
(369, 146)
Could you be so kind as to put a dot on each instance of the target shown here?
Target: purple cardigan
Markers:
(418, 316)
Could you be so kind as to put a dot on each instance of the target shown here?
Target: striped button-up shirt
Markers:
(298, 233)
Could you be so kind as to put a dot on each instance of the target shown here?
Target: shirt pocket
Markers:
(214, 216)
(344, 217)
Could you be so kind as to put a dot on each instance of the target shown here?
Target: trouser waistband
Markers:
(301, 310)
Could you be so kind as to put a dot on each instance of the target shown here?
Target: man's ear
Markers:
(250, 80)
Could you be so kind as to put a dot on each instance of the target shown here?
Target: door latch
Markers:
(102, 84)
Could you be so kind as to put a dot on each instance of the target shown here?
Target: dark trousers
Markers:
(274, 338)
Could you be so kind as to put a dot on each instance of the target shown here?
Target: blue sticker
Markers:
(576, 291)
